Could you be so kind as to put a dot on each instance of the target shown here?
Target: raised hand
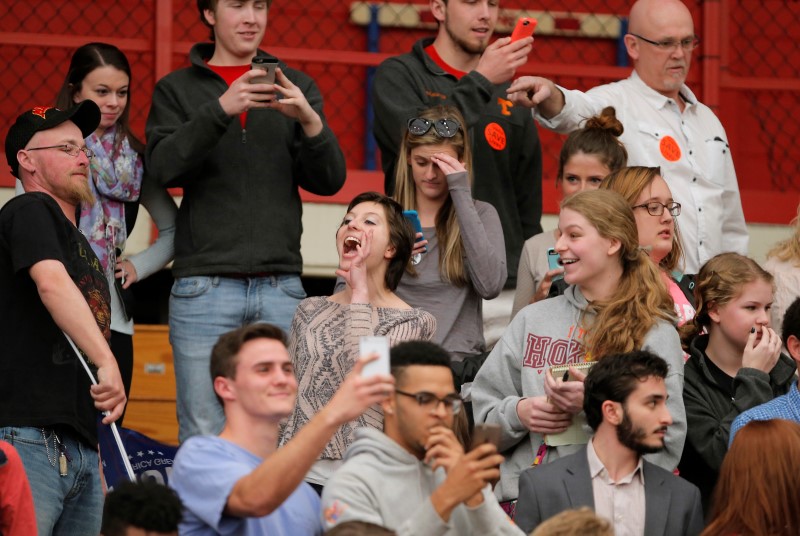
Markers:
(358, 393)
(242, 95)
(502, 58)
(294, 104)
(764, 354)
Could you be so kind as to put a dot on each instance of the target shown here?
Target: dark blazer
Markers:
(672, 505)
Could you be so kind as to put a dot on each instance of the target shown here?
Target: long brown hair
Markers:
(720, 280)
(640, 299)
(86, 59)
(630, 182)
(758, 491)
(448, 233)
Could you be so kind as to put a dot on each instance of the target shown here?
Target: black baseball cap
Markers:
(86, 115)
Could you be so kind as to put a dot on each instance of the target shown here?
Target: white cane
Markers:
(113, 425)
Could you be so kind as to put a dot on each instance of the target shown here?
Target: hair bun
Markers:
(607, 120)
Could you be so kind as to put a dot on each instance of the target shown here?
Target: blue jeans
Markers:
(67, 505)
(201, 308)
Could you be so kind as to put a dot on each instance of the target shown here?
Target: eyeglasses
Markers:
(68, 148)
(669, 45)
(452, 403)
(445, 128)
(654, 208)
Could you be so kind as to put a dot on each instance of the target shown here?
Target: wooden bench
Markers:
(151, 408)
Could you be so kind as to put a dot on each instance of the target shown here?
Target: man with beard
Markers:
(414, 477)
(52, 282)
(665, 125)
(625, 404)
(460, 68)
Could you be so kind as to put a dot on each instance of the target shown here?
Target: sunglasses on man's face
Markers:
(444, 128)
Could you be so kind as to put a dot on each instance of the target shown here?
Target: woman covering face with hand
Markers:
(374, 243)
(735, 364)
(462, 259)
(119, 183)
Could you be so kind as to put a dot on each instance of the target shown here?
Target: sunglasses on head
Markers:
(445, 128)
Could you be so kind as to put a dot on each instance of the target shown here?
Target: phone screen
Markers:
(375, 345)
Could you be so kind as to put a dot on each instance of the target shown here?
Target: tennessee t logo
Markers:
(41, 111)
(504, 105)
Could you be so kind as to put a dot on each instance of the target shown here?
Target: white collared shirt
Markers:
(621, 502)
(691, 148)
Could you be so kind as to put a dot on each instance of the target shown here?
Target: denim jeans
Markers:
(201, 308)
(67, 505)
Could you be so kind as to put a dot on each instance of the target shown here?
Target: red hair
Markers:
(758, 491)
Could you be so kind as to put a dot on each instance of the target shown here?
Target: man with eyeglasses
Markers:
(665, 125)
(414, 477)
(240, 482)
(52, 284)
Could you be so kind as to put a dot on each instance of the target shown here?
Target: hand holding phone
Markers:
(375, 345)
(265, 64)
(524, 28)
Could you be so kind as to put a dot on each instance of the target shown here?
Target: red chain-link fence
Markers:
(746, 67)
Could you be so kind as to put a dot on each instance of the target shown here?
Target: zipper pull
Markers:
(244, 135)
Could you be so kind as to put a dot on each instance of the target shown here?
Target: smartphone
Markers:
(267, 64)
(486, 433)
(524, 28)
(552, 262)
(375, 345)
(413, 217)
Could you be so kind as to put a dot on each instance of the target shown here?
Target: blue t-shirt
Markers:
(204, 473)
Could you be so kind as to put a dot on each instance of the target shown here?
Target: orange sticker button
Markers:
(495, 136)
(670, 149)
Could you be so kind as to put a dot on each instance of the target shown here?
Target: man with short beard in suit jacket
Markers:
(625, 404)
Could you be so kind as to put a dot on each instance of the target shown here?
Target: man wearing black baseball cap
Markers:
(51, 282)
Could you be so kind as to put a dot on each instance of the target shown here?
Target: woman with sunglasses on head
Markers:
(615, 303)
(656, 214)
(587, 156)
(374, 243)
(101, 72)
(464, 258)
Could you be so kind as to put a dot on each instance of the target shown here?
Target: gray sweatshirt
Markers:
(458, 310)
(382, 483)
(542, 335)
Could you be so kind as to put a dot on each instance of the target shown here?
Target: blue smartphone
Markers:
(413, 217)
(552, 262)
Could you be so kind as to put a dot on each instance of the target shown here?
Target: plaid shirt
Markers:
(783, 407)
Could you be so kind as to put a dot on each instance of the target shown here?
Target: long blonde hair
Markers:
(640, 299)
(630, 182)
(451, 256)
(789, 249)
(720, 281)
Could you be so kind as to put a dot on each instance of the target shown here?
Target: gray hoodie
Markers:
(542, 335)
(382, 483)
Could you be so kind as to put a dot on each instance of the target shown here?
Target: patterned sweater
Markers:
(324, 347)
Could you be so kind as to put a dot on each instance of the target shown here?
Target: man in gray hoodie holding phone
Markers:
(418, 458)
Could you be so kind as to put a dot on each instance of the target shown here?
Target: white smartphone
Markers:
(375, 345)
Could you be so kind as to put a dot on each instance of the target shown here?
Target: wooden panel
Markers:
(154, 419)
(151, 408)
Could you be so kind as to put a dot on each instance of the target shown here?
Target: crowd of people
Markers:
(646, 383)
